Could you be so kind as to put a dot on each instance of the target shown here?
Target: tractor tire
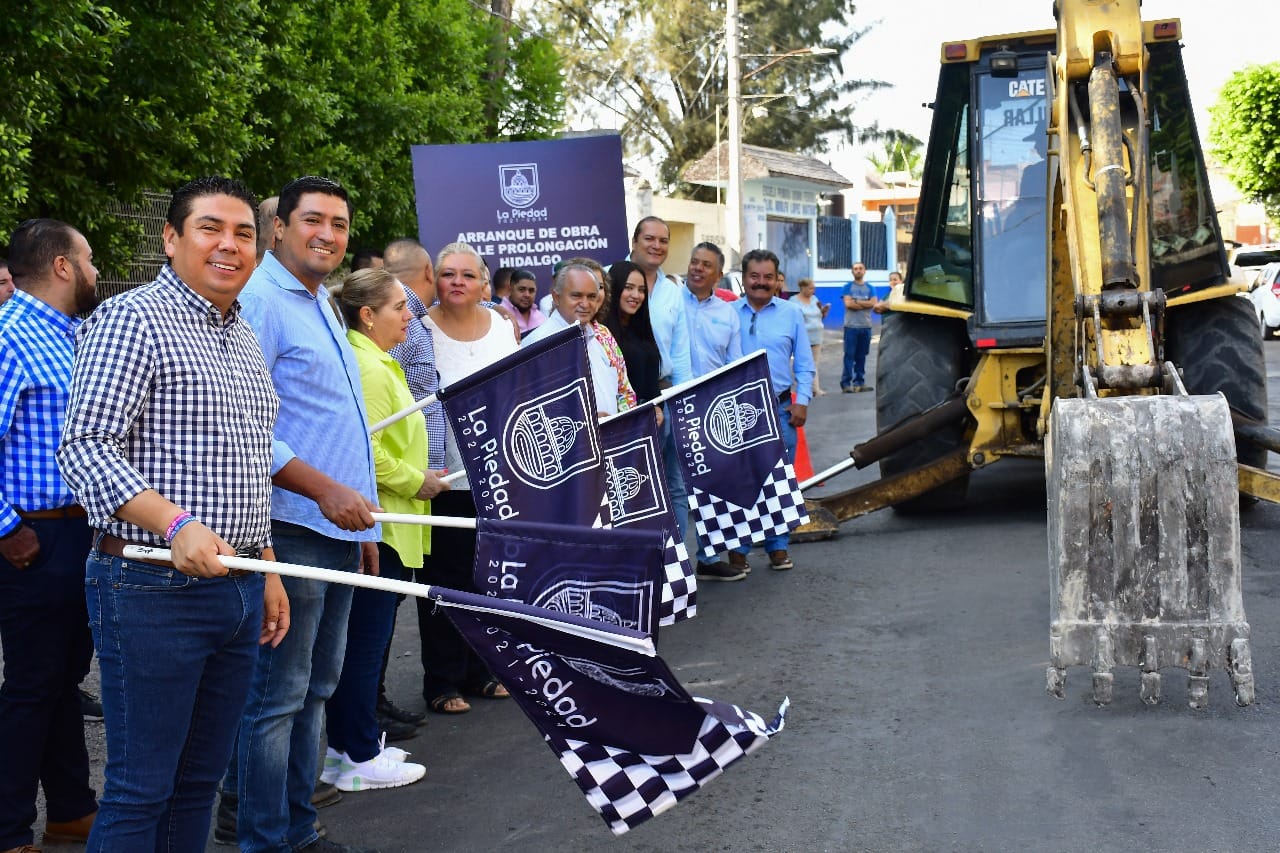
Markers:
(1218, 347)
(918, 363)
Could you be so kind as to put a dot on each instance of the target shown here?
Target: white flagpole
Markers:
(642, 645)
(403, 413)
(830, 472)
(430, 520)
(668, 393)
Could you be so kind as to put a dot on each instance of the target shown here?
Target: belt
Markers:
(114, 546)
(73, 511)
(785, 396)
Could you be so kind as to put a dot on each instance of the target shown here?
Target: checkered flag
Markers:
(638, 499)
(627, 789)
(723, 525)
(679, 585)
(635, 741)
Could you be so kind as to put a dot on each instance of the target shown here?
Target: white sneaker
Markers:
(334, 763)
(393, 753)
(381, 771)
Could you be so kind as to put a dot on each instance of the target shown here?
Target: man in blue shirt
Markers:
(777, 327)
(323, 492)
(714, 341)
(650, 243)
(44, 540)
(859, 302)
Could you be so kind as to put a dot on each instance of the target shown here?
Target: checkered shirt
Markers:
(628, 788)
(35, 373)
(167, 394)
(417, 357)
(723, 525)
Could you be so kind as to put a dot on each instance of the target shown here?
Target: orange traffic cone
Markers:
(804, 468)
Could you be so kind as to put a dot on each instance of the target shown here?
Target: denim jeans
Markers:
(176, 654)
(351, 713)
(789, 439)
(676, 490)
(47, 647)
(857, 343)
(274, 773)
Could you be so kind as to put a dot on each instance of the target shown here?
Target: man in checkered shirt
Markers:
(168, 443)
(44, 540)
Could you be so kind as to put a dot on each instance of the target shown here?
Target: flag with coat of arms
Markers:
(638, 498)
(741, 488)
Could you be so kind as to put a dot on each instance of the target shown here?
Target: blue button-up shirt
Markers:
(35, 375)
(713, 332)
(322, 419)
(778, 329)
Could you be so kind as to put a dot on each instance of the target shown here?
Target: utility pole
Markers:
(733, 215)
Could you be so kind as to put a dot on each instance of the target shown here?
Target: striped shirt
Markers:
(35, 374)
(417, 358)
(168, 394)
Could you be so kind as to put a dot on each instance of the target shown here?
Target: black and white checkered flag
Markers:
(627, 788)
(679, 599)
(724, 526)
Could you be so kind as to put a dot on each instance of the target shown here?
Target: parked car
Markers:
(1265, 297)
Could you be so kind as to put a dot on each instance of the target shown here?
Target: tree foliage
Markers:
(1244, 127)
(899, 152)
(660, 66)
(103, 99)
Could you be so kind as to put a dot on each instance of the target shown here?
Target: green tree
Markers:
(103, 99)
(106, 99)
(899, 152)
(1244, 127)
(660, 66)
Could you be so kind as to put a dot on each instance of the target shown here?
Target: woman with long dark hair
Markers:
(627, 318)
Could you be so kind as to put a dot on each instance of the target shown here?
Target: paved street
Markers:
(913, 652)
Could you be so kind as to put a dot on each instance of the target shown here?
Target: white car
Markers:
(1265, 297)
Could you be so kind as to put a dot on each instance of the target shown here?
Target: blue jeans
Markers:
(47, 647)
(274, 773)
(176, 654)
(857, 343)
(676, 491)
(789, 439)
(351, 713)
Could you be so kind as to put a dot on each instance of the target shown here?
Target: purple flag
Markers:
(741, 488)
(638, 498)
(621, 724)
(604, 575)
(526, 429)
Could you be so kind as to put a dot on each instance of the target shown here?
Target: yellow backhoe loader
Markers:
(1067, 297)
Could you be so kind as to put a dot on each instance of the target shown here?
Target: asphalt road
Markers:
(913, 652)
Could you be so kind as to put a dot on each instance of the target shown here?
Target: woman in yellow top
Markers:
(373, 305)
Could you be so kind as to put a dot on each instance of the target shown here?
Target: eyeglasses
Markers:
(752, 330)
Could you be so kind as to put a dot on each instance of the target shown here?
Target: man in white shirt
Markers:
(573, 303)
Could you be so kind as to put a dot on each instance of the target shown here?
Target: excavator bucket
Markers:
(1144, 543)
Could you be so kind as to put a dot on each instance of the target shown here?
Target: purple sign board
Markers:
(524, 204)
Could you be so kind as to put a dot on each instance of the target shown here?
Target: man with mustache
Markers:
(775, 325)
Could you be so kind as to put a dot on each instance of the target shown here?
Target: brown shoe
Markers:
(779, 561)
(719, 572)
(739, 562)
(69, 831)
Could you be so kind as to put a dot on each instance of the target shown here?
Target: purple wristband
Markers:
(180, 521)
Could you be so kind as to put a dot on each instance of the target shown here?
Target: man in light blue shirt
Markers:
(324, 489)
(777, 327)
(650, 243)
(713, 323)
(713, 342)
